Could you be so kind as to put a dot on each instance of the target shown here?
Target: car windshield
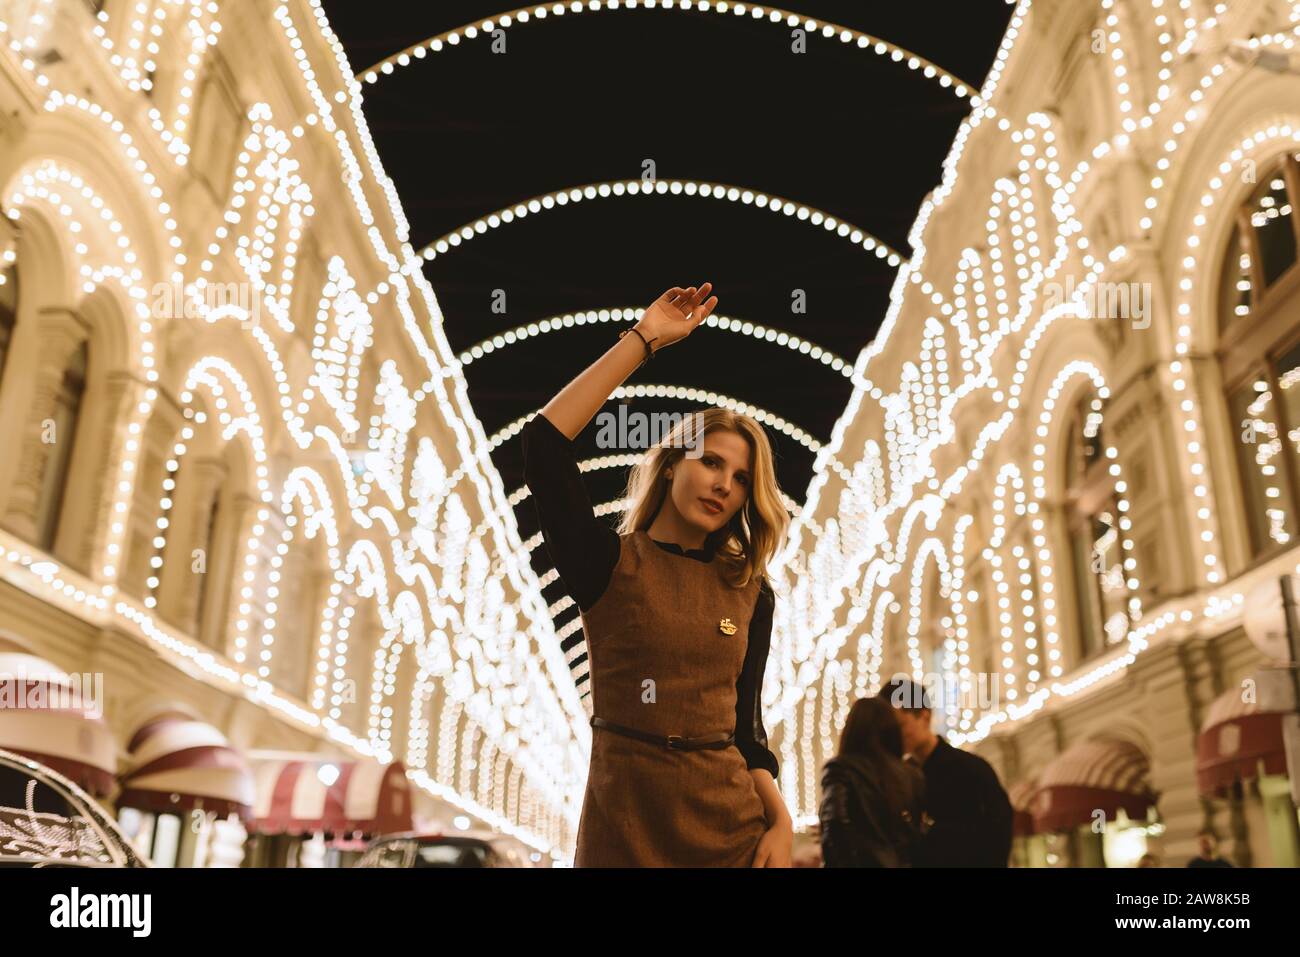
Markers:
(40, 826)
(448, 854)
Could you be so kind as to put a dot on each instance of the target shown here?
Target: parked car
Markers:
(47, 821)
(436, 849)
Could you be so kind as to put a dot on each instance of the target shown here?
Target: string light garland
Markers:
(982, 312)
(774, 15)
(619, 189)
(628, 314)
(907, 450)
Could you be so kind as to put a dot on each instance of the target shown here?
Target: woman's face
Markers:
(723, 474)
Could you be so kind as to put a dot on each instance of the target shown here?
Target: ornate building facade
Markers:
(1070, 458)
(243, 482)
(241, 478)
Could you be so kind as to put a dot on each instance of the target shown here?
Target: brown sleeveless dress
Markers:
(660, 662)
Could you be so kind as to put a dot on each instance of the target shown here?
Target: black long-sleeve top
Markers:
(585, 551)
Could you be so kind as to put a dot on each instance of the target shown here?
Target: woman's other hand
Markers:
(675, 314)
(776, 847)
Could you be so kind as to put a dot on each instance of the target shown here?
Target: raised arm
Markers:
(671, 317)
(583, 548)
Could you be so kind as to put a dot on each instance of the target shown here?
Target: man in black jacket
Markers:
(971, 813)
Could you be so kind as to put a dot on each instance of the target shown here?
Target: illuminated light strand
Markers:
(595, 316)
(688, 394)
(1004, 422)
(281, 15)
(409, 268)
(957, 645)
(1193, 448)
(37, 183)
(662, 187)
(304, 494)
(931, 546)
(1118, 70)
(774, 15)
(64, 587)
(352, 181)
(56, 101)
(910, 272)
(1009, 474)
(876, 643)
(203, 32)
(1133, 606)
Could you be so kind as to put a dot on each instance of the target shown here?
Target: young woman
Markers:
(872, 800)
(677, 613)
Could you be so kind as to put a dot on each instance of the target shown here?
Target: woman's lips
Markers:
(710, 508)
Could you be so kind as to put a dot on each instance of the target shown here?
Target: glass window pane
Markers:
(1270, 214)
(1259, 448)
(1235, 294)
(1287, 370)
(55, 475)
(1085, 595)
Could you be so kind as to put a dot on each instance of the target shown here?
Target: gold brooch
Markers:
(726, 627)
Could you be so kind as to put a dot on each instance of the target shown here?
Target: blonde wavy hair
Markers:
(747, 543)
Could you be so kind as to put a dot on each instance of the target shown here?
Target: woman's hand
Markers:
(776, 846)
(675, 314)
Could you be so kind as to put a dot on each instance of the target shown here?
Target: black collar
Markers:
(704, 554)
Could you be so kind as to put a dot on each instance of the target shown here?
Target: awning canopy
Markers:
(1104, 775)
(1242, 732)
(179, 763)
(310, 794)
(55, 718)
(1021, 795)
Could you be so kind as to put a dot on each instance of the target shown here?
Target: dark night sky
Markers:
(588, 97)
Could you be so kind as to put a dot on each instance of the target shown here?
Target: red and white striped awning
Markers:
(179, 763)
(1021, 795)
(311, 793)
(1104, 774)
(54, 717)
(1242, 732)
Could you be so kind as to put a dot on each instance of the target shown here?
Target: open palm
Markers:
(676, 314)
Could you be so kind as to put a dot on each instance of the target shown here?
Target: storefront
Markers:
(1028, 848)
(55, 718)
(312, 811)
(1094, 806)
(187, 794)
(1241, 761)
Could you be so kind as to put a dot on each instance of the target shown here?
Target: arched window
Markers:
(60, 432)
(1259, 322)
(8, 311)
(1099, 558)
(301, 585)
(210, 619)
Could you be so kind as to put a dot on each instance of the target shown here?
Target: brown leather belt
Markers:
(673, 742)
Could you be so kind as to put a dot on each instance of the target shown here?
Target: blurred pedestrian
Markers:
(971, 812)
(1209, 852)
(872, 808)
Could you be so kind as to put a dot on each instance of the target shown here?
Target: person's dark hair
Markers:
(907, 695)
(871, 736)
(870, 728)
